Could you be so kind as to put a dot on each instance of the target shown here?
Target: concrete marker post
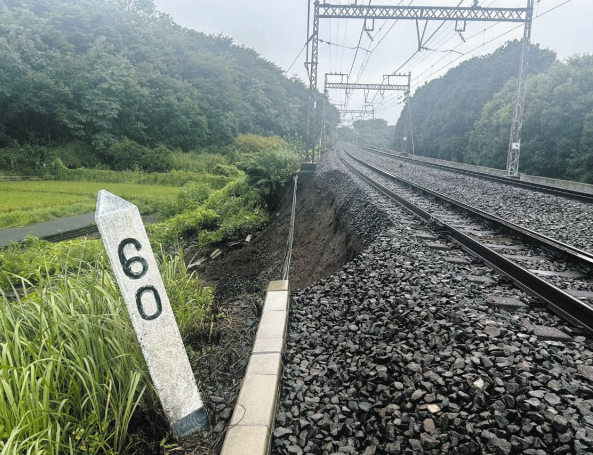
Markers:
(141, 285)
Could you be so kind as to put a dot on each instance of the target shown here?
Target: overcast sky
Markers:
(277, 30)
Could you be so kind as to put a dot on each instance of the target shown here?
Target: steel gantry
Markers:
(381, 88)
(459, 15)
(358, 113)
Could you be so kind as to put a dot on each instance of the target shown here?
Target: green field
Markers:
(28, 202)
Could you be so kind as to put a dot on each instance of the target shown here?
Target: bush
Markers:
(127, 155)
(252, 143)
(58, 171)
(36, 260)
(183, 225)
(199, 162)
(268, 170)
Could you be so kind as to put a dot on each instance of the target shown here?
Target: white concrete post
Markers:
(137, 274)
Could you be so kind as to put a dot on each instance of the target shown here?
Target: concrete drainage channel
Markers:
(252, 423)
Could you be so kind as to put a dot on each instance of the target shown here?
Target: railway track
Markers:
(567, 193)
(498, 243)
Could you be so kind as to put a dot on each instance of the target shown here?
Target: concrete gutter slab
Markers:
(252, 422)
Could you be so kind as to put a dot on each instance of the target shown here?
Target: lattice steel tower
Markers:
(459, 15)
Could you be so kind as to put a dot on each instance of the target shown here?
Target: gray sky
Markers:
(277, 30)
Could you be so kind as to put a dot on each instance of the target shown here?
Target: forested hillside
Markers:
(558, 129)
(89, 73)
(376, 133)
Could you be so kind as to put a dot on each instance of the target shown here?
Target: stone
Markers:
(417, 394)
(365, 406)
(437, 246)
(457, 260)
(506, 303)
(479, 383)
(492, 331)
(428, 425)
(428, 442)
(552, 399)
(280, 432)
(393, 447)
(478, 279)
(586, 371)
(550, 333)
(560, 424)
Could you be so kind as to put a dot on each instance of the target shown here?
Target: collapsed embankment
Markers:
(328, 233)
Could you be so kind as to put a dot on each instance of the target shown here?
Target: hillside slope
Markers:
(96, 71)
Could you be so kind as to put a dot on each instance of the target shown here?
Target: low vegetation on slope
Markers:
(73, 379)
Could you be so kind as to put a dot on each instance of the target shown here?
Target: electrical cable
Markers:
(296, 58)
(288, 255)
(386, 105)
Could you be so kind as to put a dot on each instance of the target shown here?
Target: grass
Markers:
(72, 375)
(28, 202)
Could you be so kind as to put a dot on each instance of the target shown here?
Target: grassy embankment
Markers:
(72, 377)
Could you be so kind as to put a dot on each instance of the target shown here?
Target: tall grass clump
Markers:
(72, 375)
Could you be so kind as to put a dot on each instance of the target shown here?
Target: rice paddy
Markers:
(27, 202)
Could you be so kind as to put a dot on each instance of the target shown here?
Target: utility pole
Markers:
(519, 111)
(312, 64)
(459, 15)
(409, 109)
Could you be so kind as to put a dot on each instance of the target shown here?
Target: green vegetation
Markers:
(34, 201)
(466, 114)
(374, 133)
(72, 375)
(558, 127)
(110, 94)
(213, 207)
(118, 84)
(62, 391)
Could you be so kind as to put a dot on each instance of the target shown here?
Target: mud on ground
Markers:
(327, 235)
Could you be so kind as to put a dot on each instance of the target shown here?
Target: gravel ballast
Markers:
(566, 220)
(405, 351)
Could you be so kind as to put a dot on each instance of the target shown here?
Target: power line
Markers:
(296, 58)
(388, 105)
(345, 47)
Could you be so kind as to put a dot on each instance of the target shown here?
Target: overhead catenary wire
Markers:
(389, 102)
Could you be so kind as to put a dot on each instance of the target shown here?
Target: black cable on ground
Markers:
(288, 254)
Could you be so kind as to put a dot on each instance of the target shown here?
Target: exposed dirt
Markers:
(326, 237)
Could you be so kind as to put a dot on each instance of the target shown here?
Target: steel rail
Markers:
(566, 306)
(562, 192)
(576, 255)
